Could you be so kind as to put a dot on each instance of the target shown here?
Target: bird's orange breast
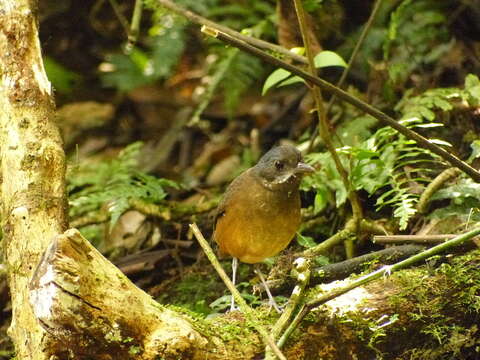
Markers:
(256, 222)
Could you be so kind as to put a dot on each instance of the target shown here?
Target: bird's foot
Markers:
(273, 304)
(233, 307)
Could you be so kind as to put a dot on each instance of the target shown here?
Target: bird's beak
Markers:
(303, 168)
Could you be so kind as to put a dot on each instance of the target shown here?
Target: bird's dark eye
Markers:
(279, 165)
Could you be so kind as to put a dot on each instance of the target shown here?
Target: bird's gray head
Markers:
(281, 167)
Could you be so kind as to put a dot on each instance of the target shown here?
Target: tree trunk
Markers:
(95, 312)
(32, 165)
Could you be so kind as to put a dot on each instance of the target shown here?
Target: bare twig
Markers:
(135, 24)
(353, 57)
(247, 310)
(418, 239)
(302, 270)
(345, 268)
(123, 21)
(325, 85)
(323, 123)
(386, 270)
(200, 20)
(432, 188)
(90, 219)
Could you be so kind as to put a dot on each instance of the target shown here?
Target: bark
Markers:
(32, 165)
(93, 311)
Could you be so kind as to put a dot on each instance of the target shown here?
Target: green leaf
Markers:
(298, 50)
(363, 154)
(404, 211)
(475, 150)
(312, 5)
(126, 74)
(306, 241)
(328, 58)
(471, 81)
(167, 49)
(140, 59)
(340, 193)
(274, 78)
(472, 86)
(440, 142)
(113, 183)
(320, 200)
(280, 76)
(321, 260)
(463, 190)
(61, 78)
(290, 81)
(243, 71)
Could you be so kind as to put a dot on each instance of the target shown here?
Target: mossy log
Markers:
(93, 311)
(419, 313)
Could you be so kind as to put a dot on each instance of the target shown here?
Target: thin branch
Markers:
(200, 20)
(325, 85)
(247, 310)
(322, 117)
(417, 239)
(432, 188)
(332, 241)
(386, 270)
(353, 57)
(293, 325)
(135, 24)
(343, 269)
(123, 21)
(302, 271)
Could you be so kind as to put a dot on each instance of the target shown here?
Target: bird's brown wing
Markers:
(232, 194)
(232, 191)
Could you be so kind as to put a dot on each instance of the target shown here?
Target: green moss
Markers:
(463, 272)
(194, 292)
(134, 350)
(235, 330)
(195, 319)
(200, 286)
(433, 299)
(369, 331)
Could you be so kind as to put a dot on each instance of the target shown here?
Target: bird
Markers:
(260, 210)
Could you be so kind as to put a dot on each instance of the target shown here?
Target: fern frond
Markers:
(113, 184)
(244, 70)
(395, 152)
